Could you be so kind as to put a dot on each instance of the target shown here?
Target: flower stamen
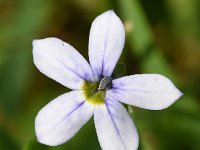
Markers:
(105, 83)
(95, 92)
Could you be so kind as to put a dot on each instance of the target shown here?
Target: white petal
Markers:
(62, 118)
(106, 42)
(114, 127)
(149, 91)
(61, 62)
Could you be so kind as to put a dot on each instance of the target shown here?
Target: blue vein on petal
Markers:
(107, 59)
(77, 106)
(117, 90)
(115, 125)
(71, 70)
(105, 45)
(67, 115)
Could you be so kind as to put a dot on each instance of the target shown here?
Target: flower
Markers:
(94, 91)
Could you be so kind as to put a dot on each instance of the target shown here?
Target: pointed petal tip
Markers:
(179, 94)
(38, 41)
(50, 55)
(110, 11)
(106, 42)
(62, 118)
(34, 42)
(148, 91)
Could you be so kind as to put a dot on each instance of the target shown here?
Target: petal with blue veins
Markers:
(61, 62)
(106, 42)
(149, 91)
(114, 127)
(62, 118)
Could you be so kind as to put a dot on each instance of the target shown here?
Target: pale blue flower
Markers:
(94, 92)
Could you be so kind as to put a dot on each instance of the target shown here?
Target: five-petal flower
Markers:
(94, 92)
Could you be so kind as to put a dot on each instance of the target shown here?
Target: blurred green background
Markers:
(162, 36)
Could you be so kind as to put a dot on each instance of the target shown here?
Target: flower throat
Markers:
(95, 92)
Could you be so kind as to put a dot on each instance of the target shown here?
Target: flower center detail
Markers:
(96, 92)
(105, 83)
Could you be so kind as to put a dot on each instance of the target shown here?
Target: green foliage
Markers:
(7, 142)
(119, 71)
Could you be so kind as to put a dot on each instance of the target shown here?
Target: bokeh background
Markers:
(162, 36)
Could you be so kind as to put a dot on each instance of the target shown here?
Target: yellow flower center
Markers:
(96, 92)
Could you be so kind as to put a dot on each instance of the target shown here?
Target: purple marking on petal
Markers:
(105, 73)
(86, 74)
(102, 68)
(115, 126)
(105, 60)
(116, 90)
(77, 106)
(87, 77)
(71, 70)
(97, 70)
(67, 115)
(114, 47)
(105, 46)
(118, 85)
(111, 105)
